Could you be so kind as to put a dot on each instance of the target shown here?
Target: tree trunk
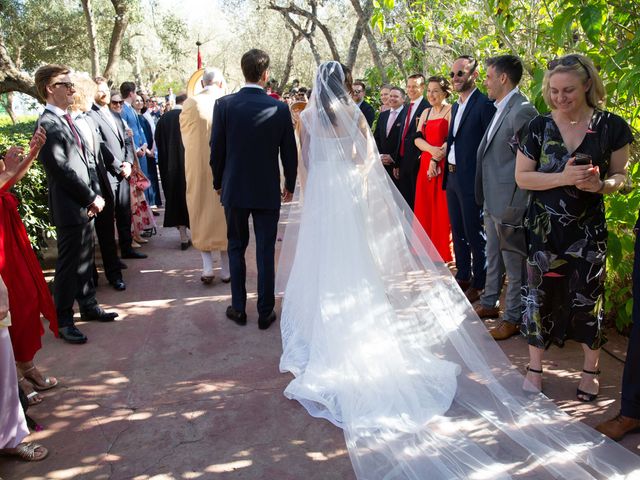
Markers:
(12, 79)
(7, 103)
(117, 34)
(93, 37)
(365, 15)
(295, 39)
(312, 15)
(356, 38)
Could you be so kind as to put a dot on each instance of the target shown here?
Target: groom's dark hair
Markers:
(254, 63)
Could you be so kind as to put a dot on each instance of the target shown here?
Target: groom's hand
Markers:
(287, 196)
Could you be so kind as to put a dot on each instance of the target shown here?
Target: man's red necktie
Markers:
(405, 130)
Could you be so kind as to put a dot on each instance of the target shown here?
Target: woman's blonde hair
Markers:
(583, 68)
(85, 89)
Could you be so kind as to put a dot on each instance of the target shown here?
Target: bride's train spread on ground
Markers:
(383, 343)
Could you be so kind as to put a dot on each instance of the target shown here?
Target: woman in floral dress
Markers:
(569, 159)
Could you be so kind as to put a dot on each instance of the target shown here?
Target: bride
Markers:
(382, 342)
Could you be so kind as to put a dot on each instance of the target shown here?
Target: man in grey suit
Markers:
(497, 191)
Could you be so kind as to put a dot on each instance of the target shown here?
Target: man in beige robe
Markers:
(206, 215)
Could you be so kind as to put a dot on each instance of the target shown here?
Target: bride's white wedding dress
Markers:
(383, 343)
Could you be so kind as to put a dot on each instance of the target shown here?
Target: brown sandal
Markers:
(29, 452)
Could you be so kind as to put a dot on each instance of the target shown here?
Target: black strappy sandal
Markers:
(587, 397)
(536, 391)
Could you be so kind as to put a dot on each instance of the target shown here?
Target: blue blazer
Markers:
(251, 131)
(475, 120)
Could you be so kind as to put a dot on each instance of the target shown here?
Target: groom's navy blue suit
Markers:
(250, 132)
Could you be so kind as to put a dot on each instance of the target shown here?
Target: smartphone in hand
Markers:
(582, 159)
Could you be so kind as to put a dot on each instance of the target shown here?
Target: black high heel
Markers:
(589, 397)
(526, 390)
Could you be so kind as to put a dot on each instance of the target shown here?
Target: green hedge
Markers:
(32, 189)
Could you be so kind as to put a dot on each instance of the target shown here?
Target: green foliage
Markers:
(32, 189)
(538, 31)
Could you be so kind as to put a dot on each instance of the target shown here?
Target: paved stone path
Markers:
(174, 390)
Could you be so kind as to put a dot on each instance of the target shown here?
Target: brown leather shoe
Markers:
(486, 312)
(464, 284)
(473, 294)
(618, 427)
(504, 330)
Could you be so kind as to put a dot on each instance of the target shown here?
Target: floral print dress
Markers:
(563, 296)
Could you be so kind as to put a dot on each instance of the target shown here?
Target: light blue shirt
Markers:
(130, 116)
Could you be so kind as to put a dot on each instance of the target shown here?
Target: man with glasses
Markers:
(74, 201)
(357, 93)
(470, 117)
(118, 160)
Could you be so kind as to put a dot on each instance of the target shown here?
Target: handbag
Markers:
(511, 229)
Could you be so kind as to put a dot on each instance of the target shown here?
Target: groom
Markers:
(250, 130)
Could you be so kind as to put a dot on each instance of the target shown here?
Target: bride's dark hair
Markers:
(333, 84)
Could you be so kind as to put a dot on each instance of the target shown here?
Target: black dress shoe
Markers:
(71, 334)
(119, 285)
(239, 317)
(265, 322)
(133, 254)
(97, 313)
(185, 245)
(122, 265)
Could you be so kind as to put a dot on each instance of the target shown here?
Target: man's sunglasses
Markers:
(67, 85)
(567, 61)
(462, 73)
(115, 102)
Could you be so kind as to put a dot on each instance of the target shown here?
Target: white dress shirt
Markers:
(500, 106)
(462, 106)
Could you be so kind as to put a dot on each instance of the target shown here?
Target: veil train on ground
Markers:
(384, 344)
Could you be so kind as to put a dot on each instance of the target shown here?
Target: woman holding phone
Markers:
(569, 159)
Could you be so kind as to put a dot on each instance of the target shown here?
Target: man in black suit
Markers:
(358, 93)
(407, 158)
(250, 130)
(470, 117)
(74, 201)
(117, 156)
(389, 128)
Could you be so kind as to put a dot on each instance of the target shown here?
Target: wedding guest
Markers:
(384, 97)
(206, 215)
(358, 93)
(569, 159)
(408, 154)
(130, 117)
(497, 192)
(388, 129)
(13, 425)
(85, 90)
(470, 117)
(74, 202)
(28, 293)
(628, 420)
(106, 114)
(152, 114)
(431, 199)
(149, 129)
(171, 163)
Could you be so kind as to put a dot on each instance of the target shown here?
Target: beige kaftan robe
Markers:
(206, 214)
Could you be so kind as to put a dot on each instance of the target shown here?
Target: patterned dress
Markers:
(563, 297)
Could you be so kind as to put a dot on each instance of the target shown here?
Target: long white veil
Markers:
(383, 343)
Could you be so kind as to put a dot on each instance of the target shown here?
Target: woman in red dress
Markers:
(431, 200)
(29, 295)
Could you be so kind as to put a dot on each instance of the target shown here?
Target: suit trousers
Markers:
(74, 271)
(631, 375)
(106, 233)
(265, 227)
(469, 239)
(408, 180)
(499, 261)
(122, 212)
